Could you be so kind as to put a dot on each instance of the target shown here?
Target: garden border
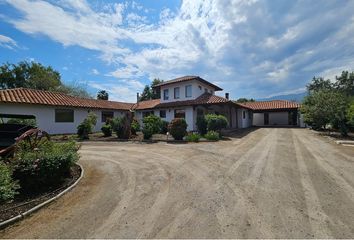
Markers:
(43, 204)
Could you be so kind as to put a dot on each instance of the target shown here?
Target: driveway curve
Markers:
(269, 183)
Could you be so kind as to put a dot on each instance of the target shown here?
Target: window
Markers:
(189, 91)
(148, 113)
(106, 116)
(64, 115)
(176, 92)
(180, 113)
(205, 90)
(162, 113)
(244, 114)
(165, 94)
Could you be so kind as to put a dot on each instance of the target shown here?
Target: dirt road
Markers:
(271, 183)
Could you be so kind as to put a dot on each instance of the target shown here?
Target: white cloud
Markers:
(249, 47)
(94, 71)
(7, 42)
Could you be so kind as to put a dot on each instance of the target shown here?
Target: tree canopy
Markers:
(36, 76)
(330, 103)
(150, 92)
(243, 100)
(102, 95)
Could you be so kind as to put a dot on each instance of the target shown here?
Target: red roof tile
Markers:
(204, 99)
(31, 96)
(188, 78)
(270, 105)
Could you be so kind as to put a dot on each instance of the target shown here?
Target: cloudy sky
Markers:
(250, 48)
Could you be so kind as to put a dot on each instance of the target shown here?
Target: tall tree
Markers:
(29, 75)
(318, 83)
(102, 95)
(150, 92)
(345, 83)
(146, 94)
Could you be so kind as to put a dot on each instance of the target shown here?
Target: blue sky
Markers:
(250, 48)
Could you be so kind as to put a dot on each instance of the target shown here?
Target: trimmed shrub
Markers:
(216, 122)
(148, 131)
(86, 127)
(45, 167)
(212, 135)
(135, 127)
(178, 128)
(8, 187)
(202, 125)
(193, 137)
(154, 123)
(117, 126)
(164, 127)
(106, 130)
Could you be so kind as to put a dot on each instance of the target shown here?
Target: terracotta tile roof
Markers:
(188, 78)
(148, 104)
(31, 96)
(204, 99)
(270, 105)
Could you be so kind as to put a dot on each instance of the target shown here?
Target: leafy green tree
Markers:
(150, 92)
(350, 115)
(102, 95)
(318, 84)
(29, 75)
(345, 83)
(243, 100)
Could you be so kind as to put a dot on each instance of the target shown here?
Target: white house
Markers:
(189, 97)
(57, 112)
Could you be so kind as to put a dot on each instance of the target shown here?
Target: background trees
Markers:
(36, 76)
(330, 103)
(102, 95)
(150, 93)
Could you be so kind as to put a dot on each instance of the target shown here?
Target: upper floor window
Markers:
(188, 91)
(176, 92)
(165, 94)
(64, 115)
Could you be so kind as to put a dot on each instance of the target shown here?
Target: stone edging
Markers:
(39, 206)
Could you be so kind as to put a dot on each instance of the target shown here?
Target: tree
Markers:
(345, 83)
(102, 95)
(243, 100)
(36, 76)
(29, 75)
(150, 92)
(318, 84)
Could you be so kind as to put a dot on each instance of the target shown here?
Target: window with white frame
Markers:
(176, 92)
(188, 91)
(165, 94)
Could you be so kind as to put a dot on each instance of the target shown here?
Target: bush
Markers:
(46, 167)
(86, 127)
(122, 126)
(164, 127)
(8, 187)
(193, 137)
(107, 130)
(148, 131)
(216, 122)
(178, 128)
(212, 135)
(135, 127)
(202, 125)
(154, 123)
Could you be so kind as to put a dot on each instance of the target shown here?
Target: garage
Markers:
(275, 113)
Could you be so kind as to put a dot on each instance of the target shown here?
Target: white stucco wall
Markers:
(196, 91)
(243, 122)
(45, 116)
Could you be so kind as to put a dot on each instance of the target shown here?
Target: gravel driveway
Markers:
(269, 183)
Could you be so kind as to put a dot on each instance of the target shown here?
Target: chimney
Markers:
(137, 97)
(227, 96)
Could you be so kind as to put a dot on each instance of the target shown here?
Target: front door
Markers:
(266, 118)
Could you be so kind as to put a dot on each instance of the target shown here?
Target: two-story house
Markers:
(190, 96)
